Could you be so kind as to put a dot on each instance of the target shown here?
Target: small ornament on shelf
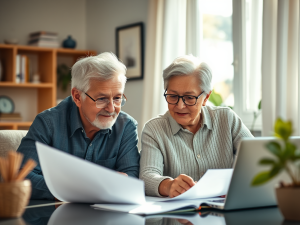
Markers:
(11, 41)
(36, 78)
(69, 42)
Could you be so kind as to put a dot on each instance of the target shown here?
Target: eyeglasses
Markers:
(187, 99)
(103, 102)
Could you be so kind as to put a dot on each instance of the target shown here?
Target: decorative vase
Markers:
(69, 42)
(288, 202)
(14, 198)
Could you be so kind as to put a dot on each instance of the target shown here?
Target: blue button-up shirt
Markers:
(61, 128)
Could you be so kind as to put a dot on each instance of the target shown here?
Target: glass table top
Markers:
(46, 212)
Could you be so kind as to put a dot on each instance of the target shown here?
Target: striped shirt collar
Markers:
(177, 127)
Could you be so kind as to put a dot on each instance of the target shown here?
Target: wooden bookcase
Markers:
(46, 64)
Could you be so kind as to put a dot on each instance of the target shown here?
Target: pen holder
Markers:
(14, 197)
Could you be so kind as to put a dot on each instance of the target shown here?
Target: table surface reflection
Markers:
(45, 212)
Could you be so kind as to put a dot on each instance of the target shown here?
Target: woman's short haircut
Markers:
(100, 67)
(189, 65)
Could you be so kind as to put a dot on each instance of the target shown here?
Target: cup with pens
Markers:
(15, 190)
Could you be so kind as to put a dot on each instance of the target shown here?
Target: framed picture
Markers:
(129, 45)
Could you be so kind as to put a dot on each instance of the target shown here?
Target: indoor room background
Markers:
(252, 47)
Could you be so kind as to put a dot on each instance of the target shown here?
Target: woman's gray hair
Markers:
(101, 67)
(189, 65)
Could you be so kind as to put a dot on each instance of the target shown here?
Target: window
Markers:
(217, 47)
(231, 45)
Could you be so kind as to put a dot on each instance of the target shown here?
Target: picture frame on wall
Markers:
(130, 49)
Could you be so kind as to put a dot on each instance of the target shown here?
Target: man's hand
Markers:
(56, 205)
(179, 185)
(125, 174)
(183, 221)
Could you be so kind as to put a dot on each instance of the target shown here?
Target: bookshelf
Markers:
(40, 96)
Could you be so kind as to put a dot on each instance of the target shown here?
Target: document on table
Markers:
(155, 207)
(214, 183)
(72, 179)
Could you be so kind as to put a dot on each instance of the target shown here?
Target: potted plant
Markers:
(63, 76)
(217, 99)
(255, 116)
(286, 158)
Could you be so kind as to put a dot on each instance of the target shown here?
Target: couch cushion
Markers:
(10, 140)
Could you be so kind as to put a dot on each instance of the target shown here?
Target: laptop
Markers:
(240, 192)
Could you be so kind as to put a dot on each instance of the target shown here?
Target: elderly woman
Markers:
(191, 137)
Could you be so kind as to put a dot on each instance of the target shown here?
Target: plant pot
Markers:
(288, 199)
(14, 197)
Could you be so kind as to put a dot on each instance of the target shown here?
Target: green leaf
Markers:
(63, 76)
(296, 157)
(276, 170)
(261, 178)
(274, 148)
(215, 98)
(289, 151)
(283, 129)
(267, 161)
(259, 105)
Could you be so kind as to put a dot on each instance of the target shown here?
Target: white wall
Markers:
(102, 19)
(18, 18)
(92, 23)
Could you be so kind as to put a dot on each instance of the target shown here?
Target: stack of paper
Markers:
(90, 183)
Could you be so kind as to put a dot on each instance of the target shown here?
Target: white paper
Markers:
(72, 179)
(215, 182)
(149, 208)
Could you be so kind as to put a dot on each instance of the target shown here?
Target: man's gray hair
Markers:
(189, 65)
(101, 67)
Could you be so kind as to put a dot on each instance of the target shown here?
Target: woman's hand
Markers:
(179, 185)
(125, 174)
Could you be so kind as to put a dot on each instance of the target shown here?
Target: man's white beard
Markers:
(107, 122)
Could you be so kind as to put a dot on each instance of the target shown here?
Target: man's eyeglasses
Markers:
(103, 102)
(187, 99)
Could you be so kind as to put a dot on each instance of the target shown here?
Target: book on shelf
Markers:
(43, 33)
(22, 68)
(52, 44)
(43, 39)
(18, 70)
(10, 117)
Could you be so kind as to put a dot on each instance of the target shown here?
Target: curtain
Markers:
(280, 64)
(173, 30)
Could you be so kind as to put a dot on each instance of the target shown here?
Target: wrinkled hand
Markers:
(179, 185)
(125, 174)
(183, 221)
(56, 205)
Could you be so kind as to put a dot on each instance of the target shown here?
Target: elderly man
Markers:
(89, 124)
